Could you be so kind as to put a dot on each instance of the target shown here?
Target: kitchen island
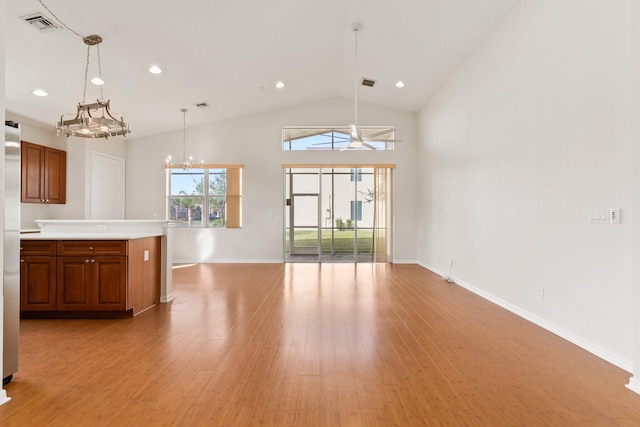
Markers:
(95, 268)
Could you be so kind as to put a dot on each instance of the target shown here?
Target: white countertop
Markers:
(101, 229)
(86, 236)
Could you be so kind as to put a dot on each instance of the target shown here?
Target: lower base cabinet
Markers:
(92, 284)
(82, 278)
(38, 283)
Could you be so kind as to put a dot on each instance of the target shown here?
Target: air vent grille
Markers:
(40, 22)
(368, 82)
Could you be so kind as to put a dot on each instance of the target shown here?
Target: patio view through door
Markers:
(337, 214)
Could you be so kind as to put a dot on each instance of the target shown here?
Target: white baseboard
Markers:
(3, 397)
(167, 298)
(634, 385)
(603, 353)
(226, 261)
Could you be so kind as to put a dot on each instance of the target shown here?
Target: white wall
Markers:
(3, 393)
(532, 131)
(255, 141)
(634, 384)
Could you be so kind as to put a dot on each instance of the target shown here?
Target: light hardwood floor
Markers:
(307, 345)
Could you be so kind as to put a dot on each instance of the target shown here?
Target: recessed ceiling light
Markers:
(154, 69)
(97, 81)
(280, 85)
(40, 92)
(399, 83)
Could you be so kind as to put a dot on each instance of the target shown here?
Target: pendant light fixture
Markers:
(92, 120)
(186, 163)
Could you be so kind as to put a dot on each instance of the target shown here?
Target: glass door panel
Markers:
(305, 224)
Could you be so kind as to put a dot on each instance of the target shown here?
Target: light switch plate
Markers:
(614, 215)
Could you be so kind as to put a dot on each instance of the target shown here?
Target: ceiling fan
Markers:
(357, 138)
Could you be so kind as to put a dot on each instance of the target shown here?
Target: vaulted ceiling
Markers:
(230, 54)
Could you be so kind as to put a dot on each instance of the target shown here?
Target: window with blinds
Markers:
(207, 196)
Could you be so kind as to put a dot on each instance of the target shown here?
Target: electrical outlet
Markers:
(146, 255)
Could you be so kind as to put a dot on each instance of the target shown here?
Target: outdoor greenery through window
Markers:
(336, 139)
(205, 196)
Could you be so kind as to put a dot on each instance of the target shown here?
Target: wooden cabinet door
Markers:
(43, 174)
(110, 283)
(38, 283)
(32, 173)
(74, 278)
(55, 176)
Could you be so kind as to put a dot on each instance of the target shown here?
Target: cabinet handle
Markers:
(92, 261)
(46, 200)
(21, 260)
(90, 248)
(86, 261)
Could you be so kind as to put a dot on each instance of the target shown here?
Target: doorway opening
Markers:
(338, 214)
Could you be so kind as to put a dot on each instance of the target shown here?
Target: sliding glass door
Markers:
(337, 214)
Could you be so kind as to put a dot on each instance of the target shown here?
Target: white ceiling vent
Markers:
(40, 22)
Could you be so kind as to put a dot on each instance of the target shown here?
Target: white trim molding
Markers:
(634, 384)
(592, 348)
(3, 397)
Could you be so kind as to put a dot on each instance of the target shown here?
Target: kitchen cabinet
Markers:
(89, 278)
(37, 276)
(92, 276)
(43, 174)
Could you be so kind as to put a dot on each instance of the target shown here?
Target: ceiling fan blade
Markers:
(381, 132)
(369, 146)
(366, 138)
(355, 133)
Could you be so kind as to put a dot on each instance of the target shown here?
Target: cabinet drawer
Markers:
(37, 247)
(92, 247)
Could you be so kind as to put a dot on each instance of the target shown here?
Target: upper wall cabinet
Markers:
(43, 174)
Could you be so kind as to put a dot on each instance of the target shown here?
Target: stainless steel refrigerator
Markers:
(11, 250)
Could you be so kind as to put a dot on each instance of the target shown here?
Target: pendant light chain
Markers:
(99, 72)
(86, 72)
(96, 43)
(60, 20)
(93, 120)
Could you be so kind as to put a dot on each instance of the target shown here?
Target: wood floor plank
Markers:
(311, 345)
